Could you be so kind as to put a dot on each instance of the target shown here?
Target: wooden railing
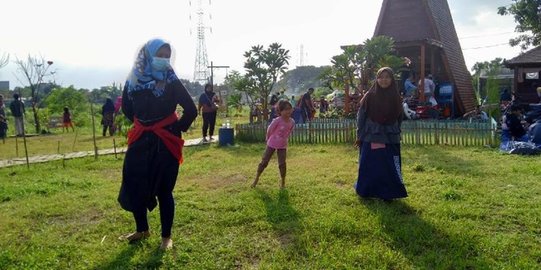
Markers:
(414, 132)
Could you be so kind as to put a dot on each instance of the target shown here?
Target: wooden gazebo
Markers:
(527, 69)
(423, 31)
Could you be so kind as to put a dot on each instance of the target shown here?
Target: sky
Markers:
(94, 43)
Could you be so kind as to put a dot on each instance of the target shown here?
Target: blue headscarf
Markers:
(142, 76)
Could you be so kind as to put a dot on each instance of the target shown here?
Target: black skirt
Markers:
(380, 173)
(149, 168)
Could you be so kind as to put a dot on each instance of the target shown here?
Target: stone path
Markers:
(46, 158)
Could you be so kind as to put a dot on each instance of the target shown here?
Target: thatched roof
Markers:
(430, 22)
(531, 57)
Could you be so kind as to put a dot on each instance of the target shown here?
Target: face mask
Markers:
(160, 63)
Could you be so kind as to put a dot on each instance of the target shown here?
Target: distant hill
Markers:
(298, 80)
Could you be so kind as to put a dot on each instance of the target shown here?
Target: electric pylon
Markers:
(201, 73)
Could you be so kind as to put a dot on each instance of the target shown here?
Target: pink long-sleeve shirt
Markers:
(278, 132)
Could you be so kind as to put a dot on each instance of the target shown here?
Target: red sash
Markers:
(174, 144)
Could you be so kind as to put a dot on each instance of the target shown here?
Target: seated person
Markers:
(476, 114)
(534, 133)
(514, 123)
(409, 113)
(409, 87)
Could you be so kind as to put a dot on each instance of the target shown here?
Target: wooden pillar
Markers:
(432, 62)
(422, 75)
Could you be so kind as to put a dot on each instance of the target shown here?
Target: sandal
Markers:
(136, 236)
(167, 243)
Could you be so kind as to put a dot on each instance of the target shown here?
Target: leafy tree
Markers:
(263, 68)
(357, 65)
(491, 91)
(489, 69)
(100, 95)
(242, 84)
(527, 14)
(69, 97)
(34, 69)
(378, 52)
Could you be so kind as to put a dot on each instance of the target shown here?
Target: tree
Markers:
(491, 90)
(69, 97)
(74, 99)
(263, 67)
(34, 69)
(358, 64)
(527, 14)
(489, 69)
(100, 95)
(242, 84)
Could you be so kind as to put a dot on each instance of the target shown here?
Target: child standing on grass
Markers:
(277, 134)
(66, 120)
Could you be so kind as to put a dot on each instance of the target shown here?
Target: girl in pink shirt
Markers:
(277, 134)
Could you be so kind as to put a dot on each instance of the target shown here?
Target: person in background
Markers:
(378, 138)
(3, 119)
(66, 120)
(307, 106)
(17, 110)
(515, 124)
(534, 132)
(274, 99)
(150, 98)
(107, 116)
(323, 105)
(409, 86)
(277, 135)
(272, 105)
(208, 106)
(117, 117)
(283, 95)
(476, 114)
(429, 89)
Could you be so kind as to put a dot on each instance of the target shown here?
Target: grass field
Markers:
(469, 208)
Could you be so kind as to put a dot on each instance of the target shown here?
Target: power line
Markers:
(488, 46)
(487, 35)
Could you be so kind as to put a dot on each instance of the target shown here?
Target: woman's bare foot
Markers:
(167, 243)
(136, 236)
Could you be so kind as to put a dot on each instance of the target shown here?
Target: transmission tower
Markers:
(201, 72)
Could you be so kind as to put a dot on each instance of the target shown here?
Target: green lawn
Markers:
(469, 208)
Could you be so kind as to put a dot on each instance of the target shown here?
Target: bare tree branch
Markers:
(4, 60)
(34, 69)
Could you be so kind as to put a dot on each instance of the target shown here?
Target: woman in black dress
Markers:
(150, 99)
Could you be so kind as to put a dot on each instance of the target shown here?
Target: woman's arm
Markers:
(184, 99)
(127, 107)
(361, 119)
